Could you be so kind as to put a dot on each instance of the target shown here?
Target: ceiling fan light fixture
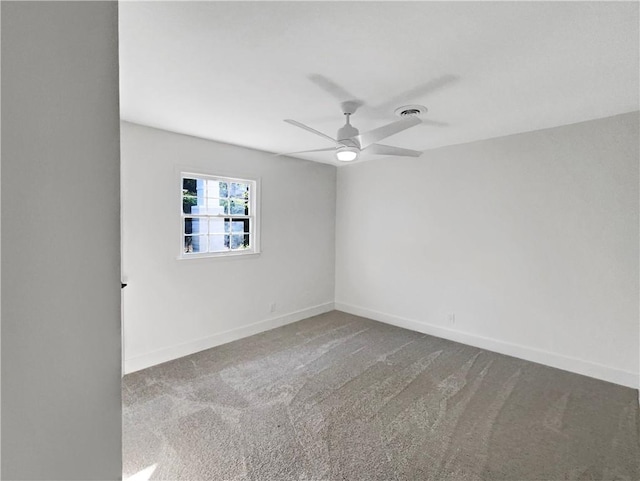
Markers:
(347, 153)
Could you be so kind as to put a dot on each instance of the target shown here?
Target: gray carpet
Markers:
(339, 397)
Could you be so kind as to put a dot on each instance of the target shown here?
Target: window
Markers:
(219, 216)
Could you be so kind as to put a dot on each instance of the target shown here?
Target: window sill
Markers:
(229, 256)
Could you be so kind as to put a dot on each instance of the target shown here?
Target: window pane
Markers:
(192, 196)
(217, 189)
(239, 207)
(217, 226)
(236, 225)
(218, 243)
(194, 244)
(216, 206)
(239, 241)
(223, 190)
(239, 191)
(222, 206)
(195, 225)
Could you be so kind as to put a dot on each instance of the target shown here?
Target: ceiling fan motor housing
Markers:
(346, 133)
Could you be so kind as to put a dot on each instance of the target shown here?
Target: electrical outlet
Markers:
(452, 318)
(272, 307)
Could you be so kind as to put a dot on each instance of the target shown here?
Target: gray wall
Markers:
(530, 241)
(176, 307)
(61, 412)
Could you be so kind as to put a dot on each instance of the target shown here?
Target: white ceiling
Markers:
(232, 71)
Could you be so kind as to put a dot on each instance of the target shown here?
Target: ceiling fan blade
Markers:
(368, 138)
(331, 87)
(306, 151)
(435, 123)
(313, 131)
(380, 149)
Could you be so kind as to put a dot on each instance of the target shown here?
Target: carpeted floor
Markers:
(339, 397)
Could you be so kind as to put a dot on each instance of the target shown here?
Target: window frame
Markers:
(253, 216)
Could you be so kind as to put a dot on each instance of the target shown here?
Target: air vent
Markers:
(410, 110)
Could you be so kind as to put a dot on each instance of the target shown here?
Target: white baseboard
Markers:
(174, 352)
(566, 363)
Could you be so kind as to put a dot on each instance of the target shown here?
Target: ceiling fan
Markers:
(349, 142)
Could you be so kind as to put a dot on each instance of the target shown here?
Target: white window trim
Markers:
(254, 206)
